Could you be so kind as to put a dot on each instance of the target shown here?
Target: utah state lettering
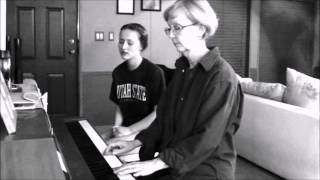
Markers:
(131, 91)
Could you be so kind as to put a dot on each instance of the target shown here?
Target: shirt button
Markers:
(183, 70)
(181, 99)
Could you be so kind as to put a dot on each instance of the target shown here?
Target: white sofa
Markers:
(279, 137)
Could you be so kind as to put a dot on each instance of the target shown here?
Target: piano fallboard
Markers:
(76, 165)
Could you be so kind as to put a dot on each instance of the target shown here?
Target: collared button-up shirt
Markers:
(197, 118)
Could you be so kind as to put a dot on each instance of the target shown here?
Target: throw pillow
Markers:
(241, 79)
(273, 91)
(302, 90)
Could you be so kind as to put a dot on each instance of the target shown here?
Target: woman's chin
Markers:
(125, 57)
(180, 49)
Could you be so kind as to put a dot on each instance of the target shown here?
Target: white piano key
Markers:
(129, 158)
(112, 161)
(94, 136)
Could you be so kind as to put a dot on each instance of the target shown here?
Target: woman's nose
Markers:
(124, 45)
(171, 34)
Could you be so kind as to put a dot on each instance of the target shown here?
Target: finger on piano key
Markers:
(126, 169)
(114, 162)
(107, 151)
(115, 131)
(129, 158)
(119, 150)
(119, 147)
(110, 149)
(92, 146)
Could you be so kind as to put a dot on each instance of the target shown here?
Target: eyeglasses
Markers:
(176, 28)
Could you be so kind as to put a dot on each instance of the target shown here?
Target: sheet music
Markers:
(28, 98)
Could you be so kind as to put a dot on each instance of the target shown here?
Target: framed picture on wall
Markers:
(125, 7)
(151, 5)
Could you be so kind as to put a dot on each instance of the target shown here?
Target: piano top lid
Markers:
(31, 124)
(30, 159)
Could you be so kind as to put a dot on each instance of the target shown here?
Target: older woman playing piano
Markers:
(200, 111)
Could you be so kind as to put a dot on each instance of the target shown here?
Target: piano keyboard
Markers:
(91, 146)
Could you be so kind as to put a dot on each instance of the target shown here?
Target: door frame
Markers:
(80, 85)
(80, 78)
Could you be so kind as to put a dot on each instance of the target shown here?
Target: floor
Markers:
(246, 170)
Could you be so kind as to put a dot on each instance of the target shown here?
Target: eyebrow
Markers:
(129, 40)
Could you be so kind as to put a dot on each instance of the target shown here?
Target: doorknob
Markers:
(72, 51)
(71, 41)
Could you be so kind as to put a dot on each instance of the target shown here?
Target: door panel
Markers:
(47, 30)
(55, 33)
(26, 31)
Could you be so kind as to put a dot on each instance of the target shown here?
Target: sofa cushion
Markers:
(243, 80)
(273, 91)
(302, 90)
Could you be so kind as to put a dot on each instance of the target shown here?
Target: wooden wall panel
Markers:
(97, 107)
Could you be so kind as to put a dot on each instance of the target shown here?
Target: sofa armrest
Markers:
(280, 137)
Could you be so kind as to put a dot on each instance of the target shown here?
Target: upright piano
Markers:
(33, 146)
(66, 149)
(30, 152)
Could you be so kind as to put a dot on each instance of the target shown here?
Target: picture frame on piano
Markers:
(7, 110)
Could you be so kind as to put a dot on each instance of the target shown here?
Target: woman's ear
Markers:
(203, 31)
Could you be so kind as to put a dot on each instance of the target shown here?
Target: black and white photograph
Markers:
(159, 89)
(125, 7)
(151, 5)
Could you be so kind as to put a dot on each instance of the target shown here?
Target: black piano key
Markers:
(95, 161)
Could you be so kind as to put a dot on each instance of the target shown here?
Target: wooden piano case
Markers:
(30, 152)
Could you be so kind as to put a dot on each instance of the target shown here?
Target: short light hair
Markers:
(198, 11)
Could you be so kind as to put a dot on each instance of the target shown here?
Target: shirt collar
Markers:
(210, 58)
(206, 62)
(182, 63)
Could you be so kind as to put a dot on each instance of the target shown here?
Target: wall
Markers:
(3, 17)
(316, 55)
(99, 58)
(254, 39)
(232, 34)
(287, 35)
(101, 16)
